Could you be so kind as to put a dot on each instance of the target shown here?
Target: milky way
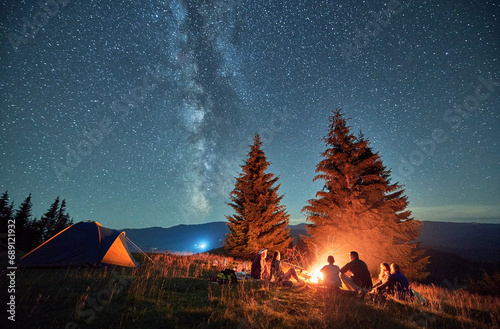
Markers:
(140, 113)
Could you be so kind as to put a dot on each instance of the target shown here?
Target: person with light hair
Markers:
(385, 272)
(397, 284)
(259, 270)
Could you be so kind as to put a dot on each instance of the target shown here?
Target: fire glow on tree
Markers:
(359, 208)
(259, 220)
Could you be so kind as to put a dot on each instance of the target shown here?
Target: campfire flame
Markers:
(316, 275)
(313, 274)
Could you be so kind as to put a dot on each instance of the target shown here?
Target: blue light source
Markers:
(201, 246)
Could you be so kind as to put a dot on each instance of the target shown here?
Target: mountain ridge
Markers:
(472, 241)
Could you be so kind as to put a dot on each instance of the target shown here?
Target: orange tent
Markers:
(82, 244)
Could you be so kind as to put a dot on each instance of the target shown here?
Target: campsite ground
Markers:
(174, 292)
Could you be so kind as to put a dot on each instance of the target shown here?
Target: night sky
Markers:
(140, 113)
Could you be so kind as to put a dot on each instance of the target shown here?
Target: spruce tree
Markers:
(63, 220)
(5, 215)
(26, 237)
(359, 208)
(5, 208)
(259, 220)
(45, 227)
(53, 221)
(23, 214)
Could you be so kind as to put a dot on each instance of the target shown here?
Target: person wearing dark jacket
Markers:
(397, 284)
(360, 278)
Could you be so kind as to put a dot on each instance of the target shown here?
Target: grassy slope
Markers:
(175, 293)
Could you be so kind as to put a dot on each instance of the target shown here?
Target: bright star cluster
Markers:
(140, 113)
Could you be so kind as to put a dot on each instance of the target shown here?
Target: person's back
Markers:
(401, 285)
(256, 268)
(360, 274)
(401, 281)
(331, 275)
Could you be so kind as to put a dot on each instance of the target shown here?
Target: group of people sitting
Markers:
(260, 270)
(354, 274)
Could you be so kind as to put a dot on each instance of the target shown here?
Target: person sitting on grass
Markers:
(397, 284)
(331, 275)
(259, 270)
(277, 272)
(385, 272)
(360, 279)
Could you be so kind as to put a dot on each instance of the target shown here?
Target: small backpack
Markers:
(226, 276)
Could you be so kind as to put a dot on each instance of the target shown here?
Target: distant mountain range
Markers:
(472, 241)
(180, 238)
(188, 238)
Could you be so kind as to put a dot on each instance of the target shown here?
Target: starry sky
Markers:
(140, 113)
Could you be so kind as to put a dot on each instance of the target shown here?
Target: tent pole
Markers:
(139, 249)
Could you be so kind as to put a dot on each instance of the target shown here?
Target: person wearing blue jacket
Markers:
(397, 284)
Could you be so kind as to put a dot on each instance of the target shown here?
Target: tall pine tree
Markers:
(45, 226)
(5, 207)
(26, 237)
(358, 207)
(63, 220)
(6, 213)
(259, 220)
(52, 222)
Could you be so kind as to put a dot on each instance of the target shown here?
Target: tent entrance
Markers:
(118, 253)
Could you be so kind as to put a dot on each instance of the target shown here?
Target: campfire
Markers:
(313, 274)
(316, 276)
